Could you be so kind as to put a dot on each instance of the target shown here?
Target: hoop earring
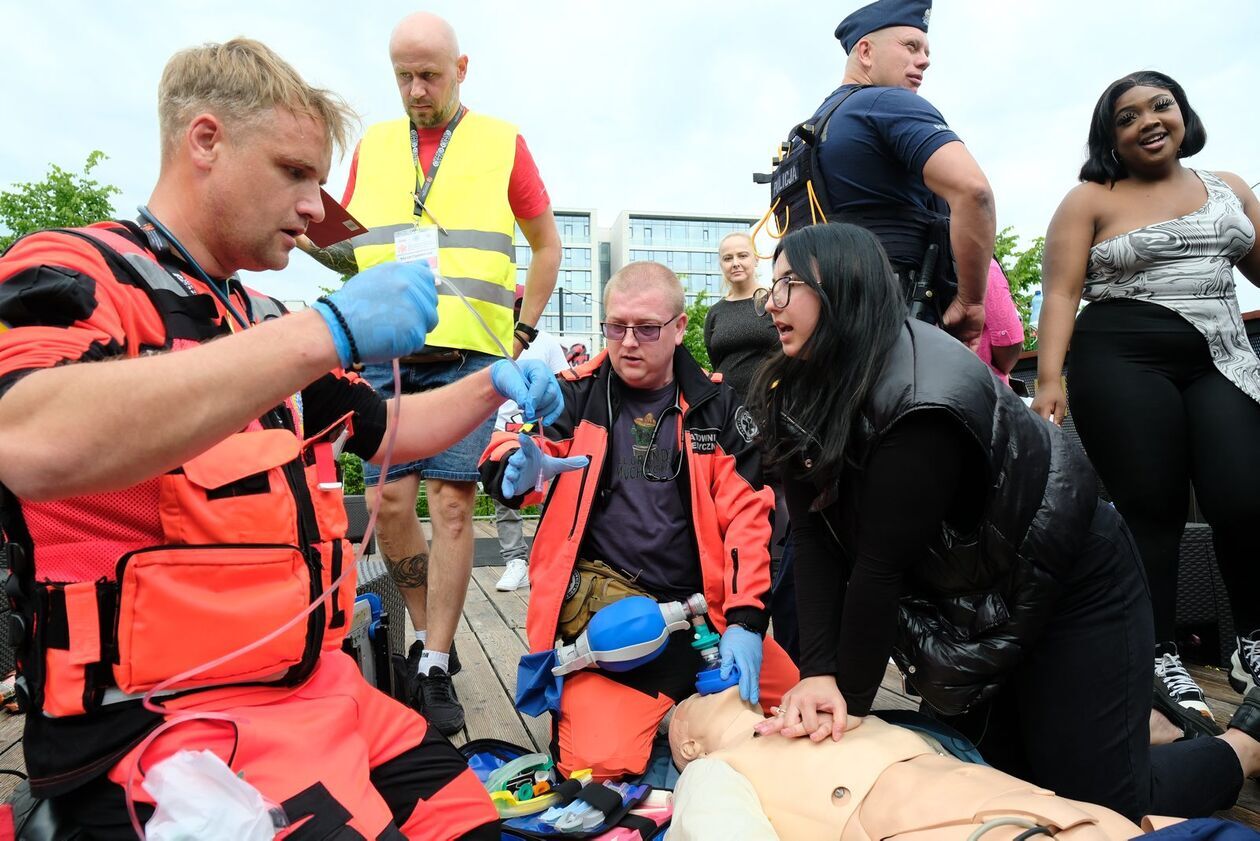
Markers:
(1114, 158)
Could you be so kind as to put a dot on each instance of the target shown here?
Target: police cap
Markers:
(881, 15)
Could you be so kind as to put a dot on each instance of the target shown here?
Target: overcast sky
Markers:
(645, 105)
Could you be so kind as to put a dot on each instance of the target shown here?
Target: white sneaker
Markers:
(514, 577)
(1245, 663)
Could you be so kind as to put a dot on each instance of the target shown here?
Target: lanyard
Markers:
(422, 190)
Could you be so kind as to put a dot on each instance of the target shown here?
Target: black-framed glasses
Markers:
(642, 332)
(780, 292)
(652, 454)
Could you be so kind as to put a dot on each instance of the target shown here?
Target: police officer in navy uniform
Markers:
(892, 164)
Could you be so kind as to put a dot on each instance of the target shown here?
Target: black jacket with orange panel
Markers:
(730, 507)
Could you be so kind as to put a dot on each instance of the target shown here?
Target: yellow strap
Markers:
(814, 205)
(787, 212)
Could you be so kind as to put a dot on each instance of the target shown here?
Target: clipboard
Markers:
(337, 226)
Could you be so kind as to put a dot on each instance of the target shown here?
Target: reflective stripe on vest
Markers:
(469, 199)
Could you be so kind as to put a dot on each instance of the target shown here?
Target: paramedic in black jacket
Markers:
(887, 155)
(938, 520)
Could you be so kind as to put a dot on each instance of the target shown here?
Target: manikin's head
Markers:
(703, 724)
(648, 296)
(428, 68)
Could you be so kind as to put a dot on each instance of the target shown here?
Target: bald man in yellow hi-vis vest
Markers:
(444, 181)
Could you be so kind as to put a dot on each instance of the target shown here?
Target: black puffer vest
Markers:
(978, 599)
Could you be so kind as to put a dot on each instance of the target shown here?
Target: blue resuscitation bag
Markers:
(485, 756)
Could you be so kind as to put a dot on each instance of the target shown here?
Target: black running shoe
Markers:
(433, 695)
(1247, 717)
(1177, 681)
(1192, 724)
(1244, 663)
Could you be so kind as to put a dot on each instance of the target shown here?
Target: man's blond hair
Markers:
(242, 81)
(646, 274)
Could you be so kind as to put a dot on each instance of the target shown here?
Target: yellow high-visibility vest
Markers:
(469, 198)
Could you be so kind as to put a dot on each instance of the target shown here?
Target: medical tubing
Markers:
(438, 280)
(184, 717)
(996, 822)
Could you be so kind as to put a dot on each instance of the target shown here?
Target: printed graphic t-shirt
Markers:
(641, 528)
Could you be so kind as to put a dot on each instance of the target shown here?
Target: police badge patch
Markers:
(575, 581)
(745, 425)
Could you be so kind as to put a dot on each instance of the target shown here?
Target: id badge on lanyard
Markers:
(420, 244)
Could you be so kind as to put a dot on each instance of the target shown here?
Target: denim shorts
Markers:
(458, 463)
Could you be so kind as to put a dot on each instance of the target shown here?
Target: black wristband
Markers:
(523, 338)
(356, 364)
(531, 332)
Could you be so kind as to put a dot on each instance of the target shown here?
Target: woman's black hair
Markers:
(1102, 165)
(807, 404)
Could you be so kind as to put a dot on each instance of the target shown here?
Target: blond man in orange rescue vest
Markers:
(167, 447)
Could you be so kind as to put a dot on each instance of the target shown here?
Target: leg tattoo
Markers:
(410, 572)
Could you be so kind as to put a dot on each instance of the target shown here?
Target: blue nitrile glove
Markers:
(388, 309)
(533, 387)
(526, 465)
(741, 647)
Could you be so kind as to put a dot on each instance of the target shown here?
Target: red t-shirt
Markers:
(527, 194)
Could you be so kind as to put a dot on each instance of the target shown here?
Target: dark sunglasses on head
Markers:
(642, 332)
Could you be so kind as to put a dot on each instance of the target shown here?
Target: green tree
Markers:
(62, 200)
(1023, 270)
(693, 338)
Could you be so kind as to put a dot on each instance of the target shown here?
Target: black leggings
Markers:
(1154, 415)
(1074, 715)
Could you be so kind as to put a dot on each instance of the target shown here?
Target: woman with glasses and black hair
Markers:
(938, 520)
(1165, 386)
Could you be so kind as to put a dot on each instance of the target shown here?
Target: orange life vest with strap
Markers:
(117, 592)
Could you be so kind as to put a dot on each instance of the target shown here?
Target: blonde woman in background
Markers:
(737, 340)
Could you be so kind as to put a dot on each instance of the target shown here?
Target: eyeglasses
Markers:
(780, 292)
(642, 332)
(662, 455)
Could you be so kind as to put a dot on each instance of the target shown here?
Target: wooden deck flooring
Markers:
(491, 637)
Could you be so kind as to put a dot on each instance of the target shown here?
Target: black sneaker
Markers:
(1192, 724)
(1177, 681)
(433, 695)
(1244, 671)
(1247, 717)
(413, 659)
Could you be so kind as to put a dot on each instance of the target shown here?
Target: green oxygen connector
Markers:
(706, 642)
